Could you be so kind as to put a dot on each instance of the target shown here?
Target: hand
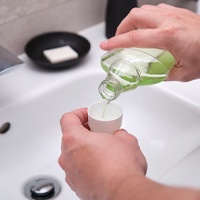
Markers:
(98, 164)
(165, 27)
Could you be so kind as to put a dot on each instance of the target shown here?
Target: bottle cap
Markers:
(105, 118)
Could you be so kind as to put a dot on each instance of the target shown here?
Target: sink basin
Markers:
(166, 126)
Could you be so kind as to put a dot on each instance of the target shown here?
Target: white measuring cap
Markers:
(105, 118)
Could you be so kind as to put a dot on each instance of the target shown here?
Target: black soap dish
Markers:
(35, 47)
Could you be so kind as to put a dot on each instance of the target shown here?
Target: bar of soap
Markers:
(60, 54)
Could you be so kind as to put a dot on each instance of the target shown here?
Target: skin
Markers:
(90, 164)
(165, 27)
(100, 166)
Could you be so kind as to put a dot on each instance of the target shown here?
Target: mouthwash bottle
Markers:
(128, 68)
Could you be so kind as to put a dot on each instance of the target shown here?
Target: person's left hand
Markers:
(98, 164)
(164, 27)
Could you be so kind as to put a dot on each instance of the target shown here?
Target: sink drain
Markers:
(42, 187)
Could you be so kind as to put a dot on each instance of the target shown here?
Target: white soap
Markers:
(60, 54)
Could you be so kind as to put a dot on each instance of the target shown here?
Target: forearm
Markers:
(142, 188)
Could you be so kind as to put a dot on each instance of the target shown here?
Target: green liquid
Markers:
(106, 102)
(152, 64)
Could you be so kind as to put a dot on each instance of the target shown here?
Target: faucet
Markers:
(8, 60)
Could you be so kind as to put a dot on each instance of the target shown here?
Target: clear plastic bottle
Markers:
(128, 68)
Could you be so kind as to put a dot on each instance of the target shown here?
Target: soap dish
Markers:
(36, 46)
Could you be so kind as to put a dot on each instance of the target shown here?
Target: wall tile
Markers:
(12, 10)
(73, 15)
(189, 4)
(20, 20)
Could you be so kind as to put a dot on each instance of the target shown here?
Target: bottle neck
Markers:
(110, 89)
(122, 76)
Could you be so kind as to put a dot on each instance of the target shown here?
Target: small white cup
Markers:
(105, 118)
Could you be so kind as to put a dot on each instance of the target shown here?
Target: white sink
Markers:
(163, 117)
(167, 128)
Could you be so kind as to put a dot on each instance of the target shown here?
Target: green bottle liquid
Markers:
(128, 68)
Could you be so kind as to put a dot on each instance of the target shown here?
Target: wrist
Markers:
(127, 187)
(141, 188)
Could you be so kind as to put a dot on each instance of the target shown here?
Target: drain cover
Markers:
(40, 188)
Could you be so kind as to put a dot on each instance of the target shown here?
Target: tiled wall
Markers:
(189, 4)
(20, 20)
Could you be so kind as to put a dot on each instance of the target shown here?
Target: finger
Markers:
(166, 6)
(140, 18)
(86, 125)
(148, 38)
(127, 24)
(148, 7)
(172, 10)
(74, 119)
(123, 133)
(152, 8)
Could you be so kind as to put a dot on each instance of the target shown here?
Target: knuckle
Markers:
(161, 4)
(134, 37)
(176, 15)
(134, 11)
(64, 117)
(144, 6)
(170, 36)
(67, 140)
(60, 161)
(132, 138)
(171, 32)
(135, 140)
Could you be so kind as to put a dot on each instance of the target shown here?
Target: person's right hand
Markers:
(165, 27)
(99, 165)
